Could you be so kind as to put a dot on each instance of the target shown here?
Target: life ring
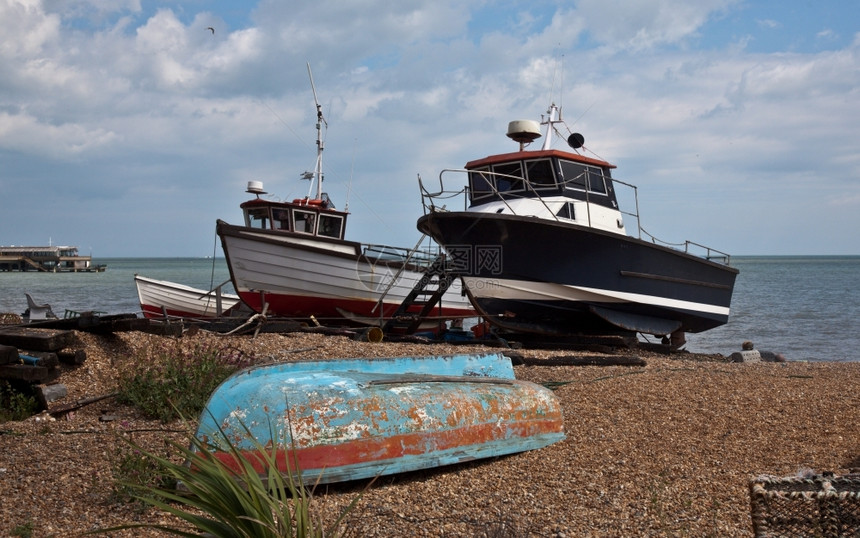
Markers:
(309, 202)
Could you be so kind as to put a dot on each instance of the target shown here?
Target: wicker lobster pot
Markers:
(822, 505)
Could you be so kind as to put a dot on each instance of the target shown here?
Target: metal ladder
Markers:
(426, 293)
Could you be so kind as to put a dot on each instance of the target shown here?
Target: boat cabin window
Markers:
(480, 183)
(502, 174)
(596, 182)
(580, 176)
(304, 221)
(257, 217)
(540, 173)
(331, 226)
(566, 212)
(280, 218)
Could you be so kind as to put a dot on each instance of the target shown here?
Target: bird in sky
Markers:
(211, 29)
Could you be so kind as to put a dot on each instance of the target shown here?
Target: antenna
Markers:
(318, 173)
(349, 187)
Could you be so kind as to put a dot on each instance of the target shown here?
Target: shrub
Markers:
(216, 500)
(14, 404)
(171, 381)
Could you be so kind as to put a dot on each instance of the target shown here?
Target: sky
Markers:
(127, 127)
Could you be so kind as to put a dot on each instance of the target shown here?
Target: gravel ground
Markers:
(667, 449)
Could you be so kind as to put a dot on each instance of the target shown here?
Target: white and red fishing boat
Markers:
(291, 259)
(162, 298)
(541, 247)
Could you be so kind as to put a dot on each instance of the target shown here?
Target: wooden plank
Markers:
(588, 360)
(8, 354)
(68, 356)
(25, 372)
(35, 338)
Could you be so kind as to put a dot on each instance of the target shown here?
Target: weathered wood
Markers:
(99, 324)
(24, 372)
(63, 409)
(590, 360)
(76, 356)
(48, 359)
(37, 339)
(8, 354)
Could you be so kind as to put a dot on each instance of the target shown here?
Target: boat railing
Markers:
(417, 256)
(429, 203)
(428, 198)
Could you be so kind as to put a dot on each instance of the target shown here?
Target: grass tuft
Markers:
(170, 381)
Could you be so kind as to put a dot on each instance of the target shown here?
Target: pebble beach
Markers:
(664, 449)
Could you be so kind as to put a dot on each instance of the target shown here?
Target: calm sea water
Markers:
(112, 291)
(805, 307)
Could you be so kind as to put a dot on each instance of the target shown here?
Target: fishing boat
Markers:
(541, 246)
(162, 298)
(291, 259)
(341, 420)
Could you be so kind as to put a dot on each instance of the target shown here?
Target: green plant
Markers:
(15, 405)
(24, 530)
(229, 501)
(170, 381)
(134, 470)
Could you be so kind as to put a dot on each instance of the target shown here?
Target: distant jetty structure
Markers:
(50, 259)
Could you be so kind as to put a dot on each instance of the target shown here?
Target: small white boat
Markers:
(161, 298)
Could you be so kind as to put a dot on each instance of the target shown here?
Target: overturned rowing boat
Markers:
(341, 420)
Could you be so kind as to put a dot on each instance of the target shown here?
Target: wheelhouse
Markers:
(313, 217)
(542, 173)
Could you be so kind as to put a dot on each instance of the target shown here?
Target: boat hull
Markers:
(333, 421)
(160, 297)
(300, 276)
(535, 275)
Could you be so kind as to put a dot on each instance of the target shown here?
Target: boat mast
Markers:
(318, 173)
(554, 116)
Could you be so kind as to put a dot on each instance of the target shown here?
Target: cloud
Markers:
(625, 25)
(142, 106)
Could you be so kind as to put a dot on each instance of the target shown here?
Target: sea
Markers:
(805, 307)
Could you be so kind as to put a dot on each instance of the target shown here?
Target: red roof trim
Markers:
(505, 157)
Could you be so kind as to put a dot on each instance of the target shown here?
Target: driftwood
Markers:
(63, 409)
(588, 360)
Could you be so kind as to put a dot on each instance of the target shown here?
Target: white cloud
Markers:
(143, 101)
(626, 24)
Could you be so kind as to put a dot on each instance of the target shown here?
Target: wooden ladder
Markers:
(426, 294)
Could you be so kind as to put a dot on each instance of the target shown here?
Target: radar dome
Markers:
(524, 131)
(255, 187)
